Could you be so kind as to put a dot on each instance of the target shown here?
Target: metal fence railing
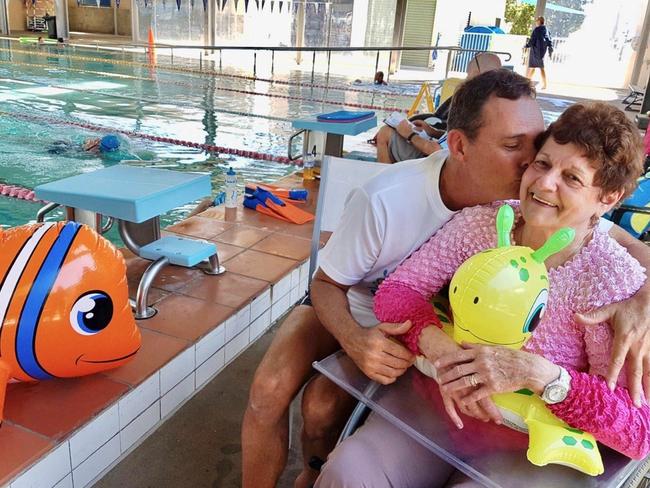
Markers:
(209, 57)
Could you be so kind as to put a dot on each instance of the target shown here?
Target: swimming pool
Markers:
(120, 91)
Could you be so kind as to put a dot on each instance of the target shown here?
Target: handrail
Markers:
(280, 48)
(273, 49)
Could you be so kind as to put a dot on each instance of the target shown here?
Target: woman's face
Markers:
(557, 189)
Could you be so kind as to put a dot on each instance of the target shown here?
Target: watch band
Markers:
(409, 139)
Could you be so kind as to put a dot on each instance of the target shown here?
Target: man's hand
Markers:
(379, 357)
(631, 325)
(404, 128)
(422, 126)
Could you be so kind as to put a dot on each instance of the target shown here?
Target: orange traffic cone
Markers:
(152, 51)
(151, 40)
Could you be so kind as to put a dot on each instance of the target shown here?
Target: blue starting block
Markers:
(180, 251)
(136, 197)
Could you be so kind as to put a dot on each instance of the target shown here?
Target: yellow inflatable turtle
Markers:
(498, 297)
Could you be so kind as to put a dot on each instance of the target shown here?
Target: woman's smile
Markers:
(541, 201)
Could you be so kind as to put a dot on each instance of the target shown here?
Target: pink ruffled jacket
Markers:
(601, 273)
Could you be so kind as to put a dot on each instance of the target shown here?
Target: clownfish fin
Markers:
(4, 380)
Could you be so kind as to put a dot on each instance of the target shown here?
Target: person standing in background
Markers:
(538, 43)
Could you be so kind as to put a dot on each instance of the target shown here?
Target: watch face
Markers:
(556, 393)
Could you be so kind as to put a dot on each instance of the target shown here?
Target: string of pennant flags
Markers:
(221, 4)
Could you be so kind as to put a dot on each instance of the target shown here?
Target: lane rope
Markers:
(132, 98)
(168, 140)
(291, 97)
(18, 192)
(218, 73)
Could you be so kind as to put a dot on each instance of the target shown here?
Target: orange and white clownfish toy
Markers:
(64, 305)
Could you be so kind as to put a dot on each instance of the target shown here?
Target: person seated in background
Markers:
(414, 140)
(587, 162)
(379, 78)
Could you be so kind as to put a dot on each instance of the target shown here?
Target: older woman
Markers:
(588, 160)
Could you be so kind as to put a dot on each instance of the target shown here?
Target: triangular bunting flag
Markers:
(117, 3)
(205, 5)
(272, 3)
(236, 5)
(246, 5)
(280, 4)
(257, 4)
(178, 4)
(223, 4)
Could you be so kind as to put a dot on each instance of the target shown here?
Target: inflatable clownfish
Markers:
(64, 306)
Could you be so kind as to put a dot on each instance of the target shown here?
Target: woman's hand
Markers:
(493, 369)
(435, 344)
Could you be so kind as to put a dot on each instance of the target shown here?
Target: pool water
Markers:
(118, 90)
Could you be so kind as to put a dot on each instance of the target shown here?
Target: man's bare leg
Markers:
(543, 78)
(284, 369)
(383, 144)
(325, 409)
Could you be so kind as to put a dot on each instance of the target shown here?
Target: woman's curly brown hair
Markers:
(609, 140)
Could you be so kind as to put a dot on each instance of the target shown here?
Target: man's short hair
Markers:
(466, 112)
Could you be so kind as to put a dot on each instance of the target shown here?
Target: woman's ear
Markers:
(457, 144)
(611, 199)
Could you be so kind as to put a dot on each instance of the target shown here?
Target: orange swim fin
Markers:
(285, 209)
(254, 204)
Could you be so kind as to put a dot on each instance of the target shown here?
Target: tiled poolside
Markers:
(65, 433)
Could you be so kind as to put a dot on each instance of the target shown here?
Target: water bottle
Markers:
(231, 188)
(308, 165)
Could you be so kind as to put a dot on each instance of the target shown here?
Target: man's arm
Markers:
(425, 146)
(631, 323)
(380, 358)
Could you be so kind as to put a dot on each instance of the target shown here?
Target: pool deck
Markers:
(66, 432)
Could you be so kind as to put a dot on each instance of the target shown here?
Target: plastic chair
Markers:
(635, 97)
(446, 90)
(338, 176)
(634, 214)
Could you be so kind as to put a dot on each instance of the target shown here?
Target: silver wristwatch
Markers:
(558, 389)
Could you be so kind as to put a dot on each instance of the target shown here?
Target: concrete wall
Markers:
(100, 20)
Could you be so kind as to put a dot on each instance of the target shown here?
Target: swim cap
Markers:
(109, 143)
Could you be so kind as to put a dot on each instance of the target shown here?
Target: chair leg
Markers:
(213, 267)
(142, 311)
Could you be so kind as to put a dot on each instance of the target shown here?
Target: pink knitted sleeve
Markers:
(604, 274)
(405, 294)
(610, 416)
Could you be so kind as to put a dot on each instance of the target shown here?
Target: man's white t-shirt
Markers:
(383, 222)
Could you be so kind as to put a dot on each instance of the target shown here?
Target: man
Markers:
(493, 124)
(403, 142)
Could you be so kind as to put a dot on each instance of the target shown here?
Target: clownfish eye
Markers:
(536, 312)
(91, 313)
